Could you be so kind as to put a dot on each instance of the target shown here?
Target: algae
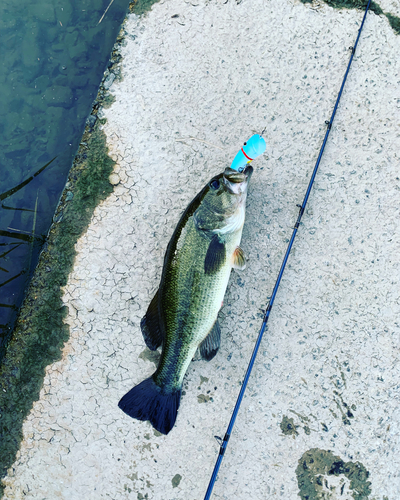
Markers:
(140, 7)
(394, 21)
(153, 356)
(288, 427)
(344, 408)
(176, 480)
(40, 332)
(318, 469)
(203, 398)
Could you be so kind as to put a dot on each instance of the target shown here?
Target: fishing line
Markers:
(302, 207)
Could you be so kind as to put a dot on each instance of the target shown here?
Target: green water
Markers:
(53, 55)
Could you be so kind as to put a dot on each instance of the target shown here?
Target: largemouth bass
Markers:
(182, 317)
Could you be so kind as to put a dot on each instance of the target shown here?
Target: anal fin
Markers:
(210, 345)
(150, 325)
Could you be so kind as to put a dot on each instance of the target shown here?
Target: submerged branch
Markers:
(25, 182)
(11, 249)
(12, 208)
(18, 236)
(13, 278)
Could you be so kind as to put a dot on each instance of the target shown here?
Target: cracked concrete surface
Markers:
(194, 88)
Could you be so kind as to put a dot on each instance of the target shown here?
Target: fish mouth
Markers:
(248, 171)
(237, 182)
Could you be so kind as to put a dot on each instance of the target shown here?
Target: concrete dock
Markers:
(321, 418)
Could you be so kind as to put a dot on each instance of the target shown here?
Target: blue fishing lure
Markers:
(254, 147)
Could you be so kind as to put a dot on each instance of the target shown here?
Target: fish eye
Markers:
(244, 144)
(214, 184)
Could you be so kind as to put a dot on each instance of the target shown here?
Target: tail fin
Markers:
(147, 401)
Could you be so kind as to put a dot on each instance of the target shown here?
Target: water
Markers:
(52, 59)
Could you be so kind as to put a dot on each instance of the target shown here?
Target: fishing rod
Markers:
(302, 207)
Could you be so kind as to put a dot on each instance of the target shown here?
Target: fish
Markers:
(182, 316)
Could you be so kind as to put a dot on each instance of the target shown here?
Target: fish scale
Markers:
(190, 321)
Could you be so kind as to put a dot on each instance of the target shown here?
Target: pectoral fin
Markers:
(215, 256)
(150, 325)
(239, 261)
(210, 345)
